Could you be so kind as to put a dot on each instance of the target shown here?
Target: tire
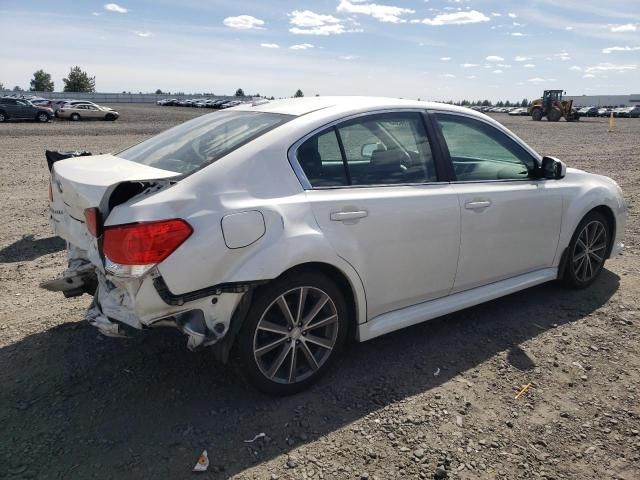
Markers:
(582, 270)
(554, 114)
(3, 117)
(537, 114)
(75, 117)
(42, 117)
(284, 341)
(110, 117)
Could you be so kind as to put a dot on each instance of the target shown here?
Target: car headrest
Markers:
(387, 158)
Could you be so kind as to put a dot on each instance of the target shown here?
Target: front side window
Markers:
(480, 152)
(379, 149)
(203, 140)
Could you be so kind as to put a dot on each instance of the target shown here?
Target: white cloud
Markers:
(144, 34)
(517, 34)
(503, 65)
(114, 7)
(512, 15)
(347, 57)
(301, 46)
(269, 45)
(575, 68)
(520, 58)
(589, 75)
(448, 75)
(307, 18)
(458, 18)
(383, 13)
(96, 14)
(494, 58)
(568, 28)
(610, 67)
(243, 22)
(494, 14)
(469, 65)
(627, 27)
(529, 65)
(335, 29)
(445, 59)
(563, 56)
(306, 22)
(471, 77)
(536, 80)
(620, 49)
(498, 71)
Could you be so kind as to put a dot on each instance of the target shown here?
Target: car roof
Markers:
(338, 104)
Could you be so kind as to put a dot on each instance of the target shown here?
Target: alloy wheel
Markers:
(589, 251)
(296, 335)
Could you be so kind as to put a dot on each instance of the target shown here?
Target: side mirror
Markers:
(552, 168)
(367, 150)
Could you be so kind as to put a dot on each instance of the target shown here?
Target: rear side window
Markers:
(379, 149)
(203, 140)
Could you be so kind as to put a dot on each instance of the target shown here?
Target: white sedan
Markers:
(282, 230)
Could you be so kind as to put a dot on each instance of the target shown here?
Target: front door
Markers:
(510, 222)
(374, 190)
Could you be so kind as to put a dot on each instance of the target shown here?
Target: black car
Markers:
(18, 108)
(588, 112)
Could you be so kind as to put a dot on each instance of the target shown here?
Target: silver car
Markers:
(83, 111)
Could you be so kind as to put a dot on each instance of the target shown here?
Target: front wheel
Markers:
(587, 251)
(537, 114)
(3, 117)
(42, 117)
(75, 117)
(294, 330)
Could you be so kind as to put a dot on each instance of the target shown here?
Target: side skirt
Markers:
(405, 317)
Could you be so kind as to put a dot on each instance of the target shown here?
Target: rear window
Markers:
(203, 140)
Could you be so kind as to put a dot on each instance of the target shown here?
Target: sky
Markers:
(428, 49)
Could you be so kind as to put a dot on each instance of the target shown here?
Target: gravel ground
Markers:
(432, 401)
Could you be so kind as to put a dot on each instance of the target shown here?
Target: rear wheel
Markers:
(75, 117)
(294, 330)
(554, 114)
(3, 117)
(537, 114)
(587, 251)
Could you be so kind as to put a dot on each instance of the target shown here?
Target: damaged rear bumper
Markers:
(137, 303)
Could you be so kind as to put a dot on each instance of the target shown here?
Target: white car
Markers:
(285, 229)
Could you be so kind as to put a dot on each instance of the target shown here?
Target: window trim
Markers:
(445, 149)
(292, 153)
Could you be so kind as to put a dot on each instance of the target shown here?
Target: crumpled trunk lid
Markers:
(83, 182)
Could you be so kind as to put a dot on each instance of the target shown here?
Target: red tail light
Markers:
(144, 243)
(94, 221)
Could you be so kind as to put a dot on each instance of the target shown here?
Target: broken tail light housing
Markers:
(93, 221)
(132, 249)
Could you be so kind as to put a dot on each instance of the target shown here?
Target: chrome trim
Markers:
(302, 177)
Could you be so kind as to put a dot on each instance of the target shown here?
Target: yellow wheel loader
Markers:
(552, 106)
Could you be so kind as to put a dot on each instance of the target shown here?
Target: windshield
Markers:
(203, 140)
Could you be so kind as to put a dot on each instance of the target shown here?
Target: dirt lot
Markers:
(76, 405)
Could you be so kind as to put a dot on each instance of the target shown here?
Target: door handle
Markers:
(477, 204)
(346, 216)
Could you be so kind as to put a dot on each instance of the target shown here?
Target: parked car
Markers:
(588, 112)
(629, 112)
(87, 111)
(284, 229)
(520, 111)
(42, 102)
(21, 109)
(230, 103)
(605, 111)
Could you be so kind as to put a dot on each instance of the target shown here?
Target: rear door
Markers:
(24, 110)
(510, 222)
(374, 188)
